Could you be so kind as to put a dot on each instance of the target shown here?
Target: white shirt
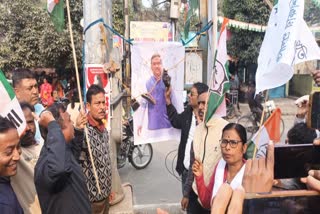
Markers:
(186, 160)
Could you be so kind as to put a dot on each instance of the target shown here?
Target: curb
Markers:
(172, 208)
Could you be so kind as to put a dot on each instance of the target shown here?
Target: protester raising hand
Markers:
(81, 120)
(45, 118)
(197, 168)
(258, 174)
(313, 179)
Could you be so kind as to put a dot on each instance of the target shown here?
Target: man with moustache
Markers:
(186, 121)
(99, 142)
(23, 181)
(155, 102)
(9, 157)
(26, 89)
(205, 147)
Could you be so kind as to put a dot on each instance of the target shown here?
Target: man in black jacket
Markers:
(186, 121)
(59, 180)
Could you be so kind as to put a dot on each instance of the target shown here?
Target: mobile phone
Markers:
(313, 120)
(294, 161)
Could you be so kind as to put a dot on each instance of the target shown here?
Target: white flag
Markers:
(10, 107)
(288, 41)
(51, 4)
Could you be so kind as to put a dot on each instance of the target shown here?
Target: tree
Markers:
(118, 16)
(28, 38)
(311, 14)
(245, 45)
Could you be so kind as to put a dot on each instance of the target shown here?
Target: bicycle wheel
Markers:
(230, 113)
(249, 124)
(141, 156)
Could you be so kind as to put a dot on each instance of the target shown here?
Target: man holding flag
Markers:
(207, 134)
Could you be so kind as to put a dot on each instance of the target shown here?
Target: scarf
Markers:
(236, 181)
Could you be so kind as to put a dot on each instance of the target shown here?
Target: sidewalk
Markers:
(286, 105)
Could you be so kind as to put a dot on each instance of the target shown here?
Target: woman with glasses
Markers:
(230, 167)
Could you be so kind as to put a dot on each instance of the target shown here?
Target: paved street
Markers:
(156, 186)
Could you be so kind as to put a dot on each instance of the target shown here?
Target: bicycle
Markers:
(231, 100)
(251, 121)
(139, 156)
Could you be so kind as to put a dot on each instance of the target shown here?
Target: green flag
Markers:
(56, 10)
(220, 85)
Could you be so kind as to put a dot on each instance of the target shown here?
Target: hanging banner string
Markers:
(254, 27)
(203, 30)
(107, 27)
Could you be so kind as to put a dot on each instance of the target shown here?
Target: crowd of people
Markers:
(211, 157)
(48, 168)
(52, 173)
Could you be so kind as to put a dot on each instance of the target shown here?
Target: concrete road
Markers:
(155, 186)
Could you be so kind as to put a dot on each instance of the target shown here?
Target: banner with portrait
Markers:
(149, 81)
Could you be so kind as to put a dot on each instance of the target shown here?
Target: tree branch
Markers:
(268, 3)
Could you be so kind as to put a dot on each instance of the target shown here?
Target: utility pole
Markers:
(203, 43)
(126, 55)
(98, 50)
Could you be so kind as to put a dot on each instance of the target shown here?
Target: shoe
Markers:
(149, 97)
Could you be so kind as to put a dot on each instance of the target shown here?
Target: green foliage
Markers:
(193, 7)
(311, 13)
(245, 45)
(28, 37)
(118, 16)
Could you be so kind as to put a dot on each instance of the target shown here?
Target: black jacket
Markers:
(59, 180)
(180, 121)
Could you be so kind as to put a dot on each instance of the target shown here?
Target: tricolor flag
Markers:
(56, 10)
(269, 131)
(288, 41)
(220, 85)
(10, 107)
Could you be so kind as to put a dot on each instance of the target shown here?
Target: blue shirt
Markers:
(38, 109)
(157, 113)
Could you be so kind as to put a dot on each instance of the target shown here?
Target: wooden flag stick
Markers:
(259, 130)
(80, 96)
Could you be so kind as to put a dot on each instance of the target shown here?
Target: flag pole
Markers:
(213, 48)
(80, 96)
(213, 55)
(261, 121)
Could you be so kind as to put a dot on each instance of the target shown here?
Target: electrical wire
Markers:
(172, 170)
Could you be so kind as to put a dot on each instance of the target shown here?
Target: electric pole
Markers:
(98, 50)
(203, 43)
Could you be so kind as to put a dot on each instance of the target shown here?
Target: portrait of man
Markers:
(156, 66)
(154, 99)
